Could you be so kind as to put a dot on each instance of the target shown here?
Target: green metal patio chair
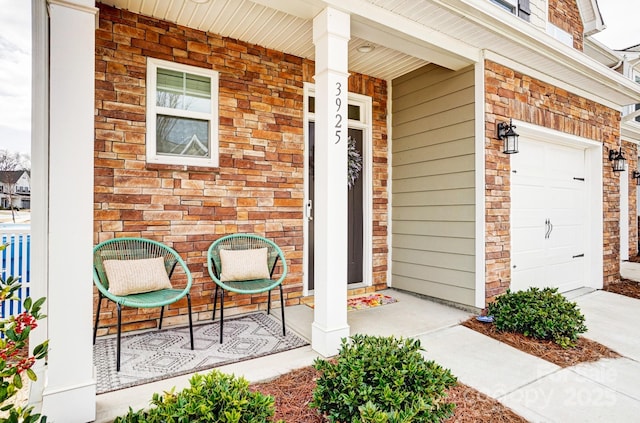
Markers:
(131, 262)
(247, 269)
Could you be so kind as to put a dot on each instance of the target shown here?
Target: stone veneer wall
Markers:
(510, 94)
(565, 15)
(258, 186)
(630, 150)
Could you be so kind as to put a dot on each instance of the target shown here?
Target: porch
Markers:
(605, 390)
(410, 316)
(258, 180)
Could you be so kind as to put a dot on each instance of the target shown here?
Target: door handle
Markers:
(309, 210)
(548, 227)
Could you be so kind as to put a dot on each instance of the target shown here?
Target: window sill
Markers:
(182, 168)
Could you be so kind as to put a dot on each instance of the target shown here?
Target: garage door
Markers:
(548, 216)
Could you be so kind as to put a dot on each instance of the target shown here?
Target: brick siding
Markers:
(510, 94)
(259, 185)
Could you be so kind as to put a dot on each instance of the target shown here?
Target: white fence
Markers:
(16, 262)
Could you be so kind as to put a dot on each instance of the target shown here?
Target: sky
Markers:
(621, 17)
(15, 75)
(622, 21)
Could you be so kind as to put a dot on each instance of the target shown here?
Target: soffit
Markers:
(407, 34)
(487, 27)
(630, 131)
(273, 28)
(598, 51)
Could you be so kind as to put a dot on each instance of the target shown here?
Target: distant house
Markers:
(15, 189)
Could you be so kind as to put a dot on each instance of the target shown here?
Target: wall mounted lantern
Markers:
(508, 136)
(619, 162)
(636, 175)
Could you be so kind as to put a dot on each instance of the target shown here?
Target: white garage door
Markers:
(548, 216)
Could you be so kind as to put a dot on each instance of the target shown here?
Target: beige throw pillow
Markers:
(244, 265)
(128, 277)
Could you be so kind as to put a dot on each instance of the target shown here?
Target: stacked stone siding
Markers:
(631, 153)
(510, 94)
(259, 184)
(565, 15)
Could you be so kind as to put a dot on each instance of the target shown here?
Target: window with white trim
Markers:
(182, 114)
(520, 8)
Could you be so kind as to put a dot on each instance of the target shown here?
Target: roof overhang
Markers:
(531, 49)
(630, 131)
(591, 16)
(383, 27)
(603, 54)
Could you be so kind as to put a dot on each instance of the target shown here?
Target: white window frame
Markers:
(510, 6)
(152, 110)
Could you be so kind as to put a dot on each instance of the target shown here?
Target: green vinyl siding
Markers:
(433, 190)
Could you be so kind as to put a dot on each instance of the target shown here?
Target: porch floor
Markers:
(411, 316)
(538, 390)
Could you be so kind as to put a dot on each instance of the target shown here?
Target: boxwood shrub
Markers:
(539, 313)
(213, 397)
(382, 379)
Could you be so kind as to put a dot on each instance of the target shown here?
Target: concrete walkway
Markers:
(604, 391)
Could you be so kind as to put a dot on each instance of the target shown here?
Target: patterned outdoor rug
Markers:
(156, 355)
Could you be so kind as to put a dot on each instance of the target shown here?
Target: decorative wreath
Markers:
(355, 162)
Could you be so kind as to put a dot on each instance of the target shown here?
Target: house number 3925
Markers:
(338, 125)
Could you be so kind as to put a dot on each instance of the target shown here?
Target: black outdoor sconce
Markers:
(619, 162)
(508, 136)
(636, 175)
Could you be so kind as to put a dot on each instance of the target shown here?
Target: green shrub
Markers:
(539, 313)
(214, 397)
(380, 380)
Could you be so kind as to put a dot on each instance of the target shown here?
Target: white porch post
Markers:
(69, 393)
(331, 32)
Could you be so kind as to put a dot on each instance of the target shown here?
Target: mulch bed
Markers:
(625, 287)
(294, 390)
(585, 350)
(475, 407)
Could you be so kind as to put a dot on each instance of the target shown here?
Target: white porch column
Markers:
(69, 393)
(331, 32)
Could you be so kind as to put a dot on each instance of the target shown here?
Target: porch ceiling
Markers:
(289, 32)
(406, 35)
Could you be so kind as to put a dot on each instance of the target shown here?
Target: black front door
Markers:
(355, 223)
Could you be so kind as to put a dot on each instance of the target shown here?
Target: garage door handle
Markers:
(578, 255)
(549, 228)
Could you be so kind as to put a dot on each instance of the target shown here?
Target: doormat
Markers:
(157, 355)
(366, 301)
